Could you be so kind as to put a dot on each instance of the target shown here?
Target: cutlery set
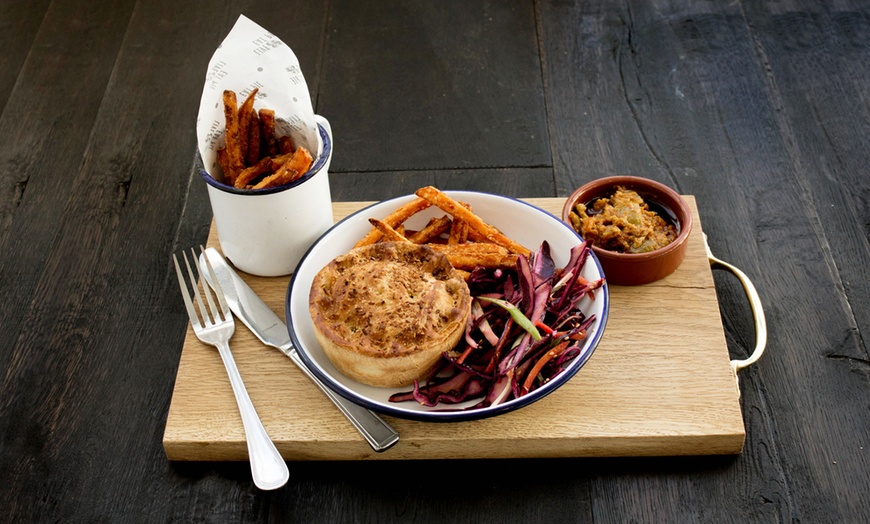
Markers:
(213, 323)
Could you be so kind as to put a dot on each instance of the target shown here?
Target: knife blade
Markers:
(272, 331)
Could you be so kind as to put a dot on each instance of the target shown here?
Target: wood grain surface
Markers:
(756, 108)
(660, 383)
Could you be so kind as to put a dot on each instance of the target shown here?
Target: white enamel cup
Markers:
(265, 232)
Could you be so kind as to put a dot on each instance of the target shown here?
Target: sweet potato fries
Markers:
(465, 239)
(254, 158)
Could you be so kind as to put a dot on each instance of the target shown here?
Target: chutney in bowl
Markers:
(638, 228)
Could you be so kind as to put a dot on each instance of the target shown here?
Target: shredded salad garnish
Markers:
(525, 328)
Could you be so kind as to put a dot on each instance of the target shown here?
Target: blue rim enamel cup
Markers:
(265, 232)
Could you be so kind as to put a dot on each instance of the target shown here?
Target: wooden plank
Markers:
(99, 134)
(421, 85)
(751, 108)
(652, 388)
(769, 135)
(19, 23)
(56, 128)
(44, 135)
(815, 56)
(674, 92)
(515, 182)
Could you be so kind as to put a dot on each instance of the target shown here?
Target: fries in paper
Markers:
(256, 158)
(255, 104)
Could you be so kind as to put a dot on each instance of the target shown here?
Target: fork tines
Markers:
(210, 316)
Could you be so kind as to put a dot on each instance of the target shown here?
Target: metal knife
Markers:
(272, 331)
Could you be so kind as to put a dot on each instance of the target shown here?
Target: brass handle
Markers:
(757, 312)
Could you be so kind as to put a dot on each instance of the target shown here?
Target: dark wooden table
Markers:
(759, 109)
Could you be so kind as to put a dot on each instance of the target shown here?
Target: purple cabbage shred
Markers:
(502, 354)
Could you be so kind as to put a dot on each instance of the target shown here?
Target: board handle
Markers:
(757, 312)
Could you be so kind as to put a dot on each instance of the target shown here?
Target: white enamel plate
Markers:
(523, 222)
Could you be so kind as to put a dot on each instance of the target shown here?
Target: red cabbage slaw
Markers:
(525, 328)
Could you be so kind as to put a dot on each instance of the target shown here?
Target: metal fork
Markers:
(268, 468)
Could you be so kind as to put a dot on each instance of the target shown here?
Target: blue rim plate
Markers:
(519, 220)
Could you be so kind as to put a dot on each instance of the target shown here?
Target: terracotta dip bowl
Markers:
(630, 269)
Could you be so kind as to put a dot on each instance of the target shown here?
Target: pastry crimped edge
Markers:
(394, 343)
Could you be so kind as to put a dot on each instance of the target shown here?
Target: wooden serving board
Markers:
(660, 383)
